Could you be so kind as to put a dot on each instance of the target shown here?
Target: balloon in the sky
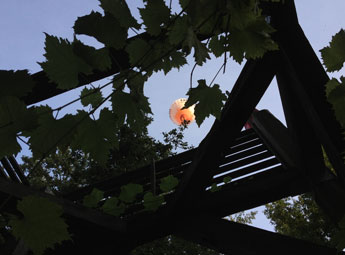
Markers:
(181, 116)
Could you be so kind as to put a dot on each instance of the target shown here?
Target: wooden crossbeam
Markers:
(238, 239)
(17, 191)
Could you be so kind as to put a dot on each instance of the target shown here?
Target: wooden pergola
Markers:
(266, 163)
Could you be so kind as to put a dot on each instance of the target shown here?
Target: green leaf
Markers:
(96, 137)
(62, 65)
(179, 30)
(137, 50)
(97, 59)
(129, 192)
(331, 85)
(131, 108)
(91, 96)
(151, 202)
(14, 118)
(334, 55)
(154, 15)
(93, 198)
(200, 50)
(41, 226)
(106, 29)
(15, 83)
(208, 100)
(168, 183)
(50, 133)
(217, 45)
(113, 207)
(252, 41)
(227, 179)
(215, 188)
(120, 10)
(336, 96)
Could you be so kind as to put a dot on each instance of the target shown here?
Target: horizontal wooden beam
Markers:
(238, 239)
(15, 191)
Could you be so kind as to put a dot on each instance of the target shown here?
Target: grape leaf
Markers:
(42, 226)
(333, 56)
(97, 59)
(15, 83)
(336, 97)
(137, 50)
(208, 100)
(106, 29)
(151, 202)
(215, 188)
(113, 207)
(130, 108)
(200, 50)
(119, 9)
(168, 183)
(129, 192)
(93, 198)
(96, 137)
(252, 41)
(91, 96)
(14, 118)
(179, 30)
(227, 179)
(217, 45)
(154, 15)
(62, 65)
(50, 133)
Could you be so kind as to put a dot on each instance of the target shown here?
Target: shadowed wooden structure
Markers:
(266, 163)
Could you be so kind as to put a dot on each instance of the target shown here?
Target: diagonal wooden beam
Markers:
(238, 239)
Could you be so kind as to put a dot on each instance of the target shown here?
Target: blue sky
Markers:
(23, 22)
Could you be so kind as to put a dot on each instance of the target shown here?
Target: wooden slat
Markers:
(10, 171)
(247, 193)
(243, 162)
(246, 153)
(248, 170)
(18, 170)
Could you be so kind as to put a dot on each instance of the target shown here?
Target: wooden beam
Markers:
(238, 239)
(275, 136)
(18, 191)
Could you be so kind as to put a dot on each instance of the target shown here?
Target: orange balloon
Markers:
(181, 116)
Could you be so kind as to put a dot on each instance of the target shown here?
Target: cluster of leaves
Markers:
(238, 28)
(130, 193)
(333, 58)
